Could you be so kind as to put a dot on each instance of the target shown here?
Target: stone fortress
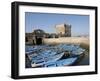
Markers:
(37, 36)
(63, 35)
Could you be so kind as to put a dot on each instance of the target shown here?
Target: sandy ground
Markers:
(67, 40)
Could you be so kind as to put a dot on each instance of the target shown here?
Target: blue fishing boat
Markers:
(45, 60)
(52, 56)
(63, 62)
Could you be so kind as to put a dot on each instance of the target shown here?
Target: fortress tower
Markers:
(63, 30)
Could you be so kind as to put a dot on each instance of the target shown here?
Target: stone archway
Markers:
(38, 41)
(26, 39)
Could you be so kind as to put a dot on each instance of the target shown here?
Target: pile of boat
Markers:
(54, 55)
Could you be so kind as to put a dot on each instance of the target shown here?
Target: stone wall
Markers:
(67, 40)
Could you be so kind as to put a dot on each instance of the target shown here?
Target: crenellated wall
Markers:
(67, 40)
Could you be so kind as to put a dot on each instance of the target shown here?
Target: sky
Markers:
(47, 22)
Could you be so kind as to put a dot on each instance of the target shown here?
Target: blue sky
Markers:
(47, 22)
